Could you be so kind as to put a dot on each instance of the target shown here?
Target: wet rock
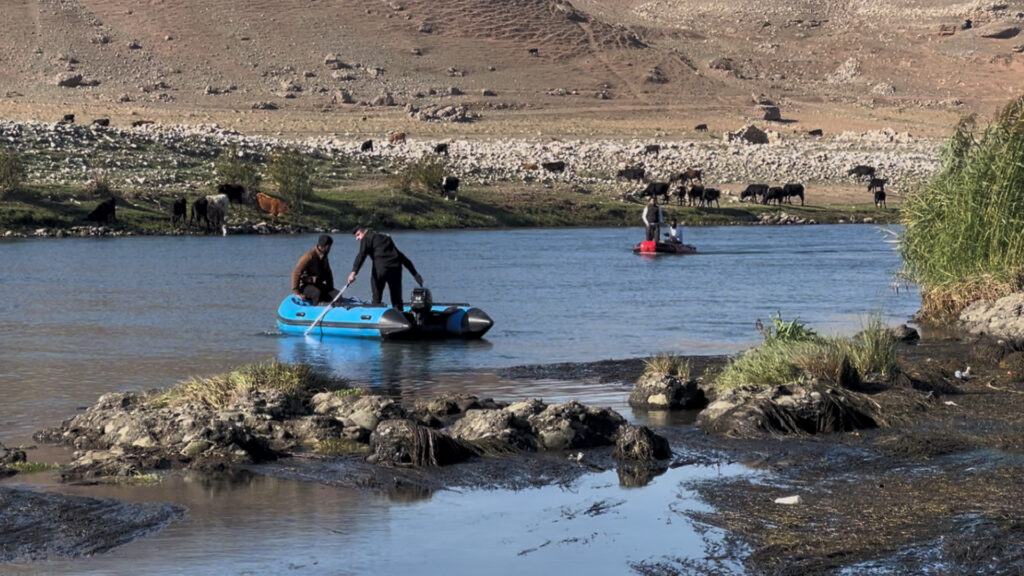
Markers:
(640, 443)
(664, 392)
(48, 526)
(408, 443)
(442, 410)
(905, 334)
(495, 431)
(797, 409)
(572, 425)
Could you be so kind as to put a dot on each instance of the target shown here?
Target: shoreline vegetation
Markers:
(53, 175)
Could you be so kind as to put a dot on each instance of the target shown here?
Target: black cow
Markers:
(657, 189)
(441, 148)
(632, 173)
(179, 211)
(105, 212)
(879, 198)
(67, 119)
(774, 194)
(701, 127)
(652, 148)
(553, 166)
(450, 186)
(793, 189)
(533, 51)
(861, 171)
(815, 132)
(103, 122)
(199, 212)
(877, 184)
(236, 193)
(695, 194)
(367, 146)
(711, 195)
(754, 191)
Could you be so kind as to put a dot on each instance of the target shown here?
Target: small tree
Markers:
(11, 171)
(289, 171)
(232, 167)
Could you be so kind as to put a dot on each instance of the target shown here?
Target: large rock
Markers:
(664, 392)
(572, 425)
(495, 431)
(748, 134)
(408, 443)
(1003, 318)
(640, 443)
(69, 80)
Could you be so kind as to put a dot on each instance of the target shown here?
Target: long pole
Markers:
(326, 310)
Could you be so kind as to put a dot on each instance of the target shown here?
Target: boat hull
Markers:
(651, 247)
(355, 319)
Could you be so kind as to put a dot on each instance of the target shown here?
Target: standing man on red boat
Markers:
(388, 261)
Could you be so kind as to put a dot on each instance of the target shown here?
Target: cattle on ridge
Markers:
(271, 205)
(179, 211)
(104, 212)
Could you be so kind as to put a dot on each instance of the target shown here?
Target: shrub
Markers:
(232, 167)
(297, 380)
(963, 238)
(12, 171)
(669, 365)
(423, 175)
(288, 169)
(874, 350)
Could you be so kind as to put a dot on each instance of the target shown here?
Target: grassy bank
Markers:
(963, 238)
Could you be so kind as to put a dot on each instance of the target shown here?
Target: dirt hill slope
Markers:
(590, 68)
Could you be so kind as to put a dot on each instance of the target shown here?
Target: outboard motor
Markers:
(420, 303)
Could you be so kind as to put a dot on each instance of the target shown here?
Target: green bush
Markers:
(963, 237)
(289, 170)
(12, 171)
(669, 365)
(299, 381)
(231, 167)
(423, 175)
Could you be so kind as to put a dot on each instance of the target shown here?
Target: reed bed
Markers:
(964, 236)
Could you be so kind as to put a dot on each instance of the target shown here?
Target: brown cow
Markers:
(271, 205)
(396, 137)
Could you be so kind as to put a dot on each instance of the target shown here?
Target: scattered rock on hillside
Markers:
(264, 106)
(750, 134)
(69, 80)
(771, 113)
(333, 62)
(655, 76)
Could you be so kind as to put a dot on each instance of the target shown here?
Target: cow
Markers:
(793, 189)
(657, 189)
(367, 146)
(441, 148)
(877, 184)
(701, 128)
(138, 123)
(236, 193)
(101, 122)
(529, 166)
(690, 176)
(711, 195)
(774, 194)
(217, 212)
(396, 138)
(533, 51)
(271, 205)
(104, 212)
(652, 149)
(815, 132)
(632, 173)
(179, 210)
(450, 187)
(199, 209)
(558, 166)
(67, 119)
(880, 198)
(694, 194)
(861, 171)
(754, 191)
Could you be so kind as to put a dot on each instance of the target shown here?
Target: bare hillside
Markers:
(589, 68)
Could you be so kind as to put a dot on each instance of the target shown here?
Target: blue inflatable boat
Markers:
(422, 318)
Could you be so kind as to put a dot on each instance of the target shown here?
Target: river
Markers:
(82, 317)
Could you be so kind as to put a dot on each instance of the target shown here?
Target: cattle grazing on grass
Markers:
(694, 194)
(558, 166)
(199, 209)
(104, 212)
(179, 211)
(815, 132)
(754, 191)
(236, 193)
(632, 173)
(877, 188)
(880, 198)
(689, 176)
(101, 122)
(271, 205)
(441, 148)
(652, 149)
(701, 128)
(774, 194)
(657, 189)
(533, 51)
(861, 171)
(367, 146)
(217, 212)
(396, 138)
(450, 187)
(711, 195)
(793, 189)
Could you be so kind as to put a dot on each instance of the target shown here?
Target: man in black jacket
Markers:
(387, 265)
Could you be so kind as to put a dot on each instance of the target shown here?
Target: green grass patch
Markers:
(963, 237)
(33, 467)
(300, 381)
(340, 447)
(669, 365)
(132, 480)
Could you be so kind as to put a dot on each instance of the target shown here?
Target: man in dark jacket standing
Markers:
(387, 265)
(312, 279)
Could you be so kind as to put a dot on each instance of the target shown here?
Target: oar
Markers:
(326, 310)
